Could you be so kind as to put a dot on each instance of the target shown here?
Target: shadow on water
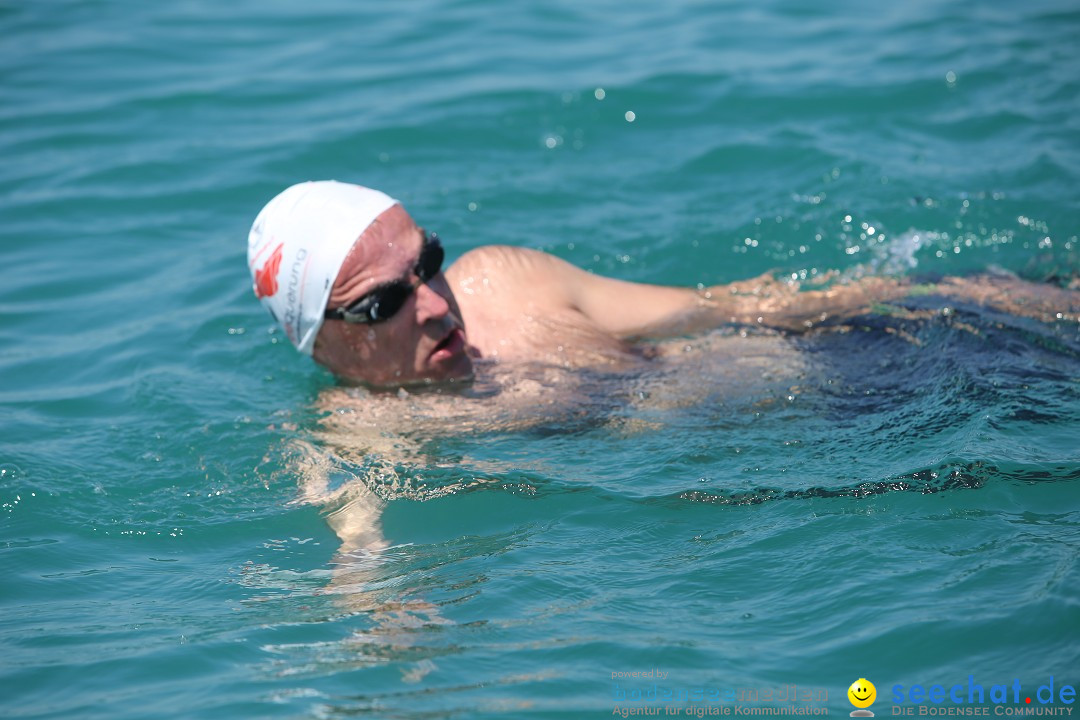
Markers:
(950, 476)
(964, 379)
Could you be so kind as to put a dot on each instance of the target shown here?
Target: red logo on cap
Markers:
(266, 276)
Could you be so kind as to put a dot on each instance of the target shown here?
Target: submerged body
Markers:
(976, 327)
(511, 338)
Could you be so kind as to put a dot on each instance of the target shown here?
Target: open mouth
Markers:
(448, 345)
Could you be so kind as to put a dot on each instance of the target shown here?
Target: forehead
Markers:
(386, 251)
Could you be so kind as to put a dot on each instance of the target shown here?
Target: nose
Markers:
(430, 305)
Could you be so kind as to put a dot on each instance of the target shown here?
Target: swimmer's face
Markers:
(423, 341)
(862, 693)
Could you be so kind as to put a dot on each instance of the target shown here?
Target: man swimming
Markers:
(359, 286)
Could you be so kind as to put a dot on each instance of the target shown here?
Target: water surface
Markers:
(910, 513)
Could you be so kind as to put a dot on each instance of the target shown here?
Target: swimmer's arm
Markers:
(630, 310)
(637, 310)
(626, 310)
(513, 279)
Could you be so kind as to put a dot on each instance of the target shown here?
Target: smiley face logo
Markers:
(862, 694)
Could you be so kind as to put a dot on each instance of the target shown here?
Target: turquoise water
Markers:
(908, 513)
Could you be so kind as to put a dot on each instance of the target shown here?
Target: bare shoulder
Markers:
(499, 260)
(512, 275)
(519, 304)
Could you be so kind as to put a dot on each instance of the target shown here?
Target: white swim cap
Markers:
(297, 245)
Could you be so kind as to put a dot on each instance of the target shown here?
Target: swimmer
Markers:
(357, 285)
(360, 287)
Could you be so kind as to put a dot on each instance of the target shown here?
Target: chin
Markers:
(461, 370)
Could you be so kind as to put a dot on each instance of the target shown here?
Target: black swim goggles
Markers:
(383, 302)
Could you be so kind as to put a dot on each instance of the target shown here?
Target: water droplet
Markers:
(631, 116)
(599, 93)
